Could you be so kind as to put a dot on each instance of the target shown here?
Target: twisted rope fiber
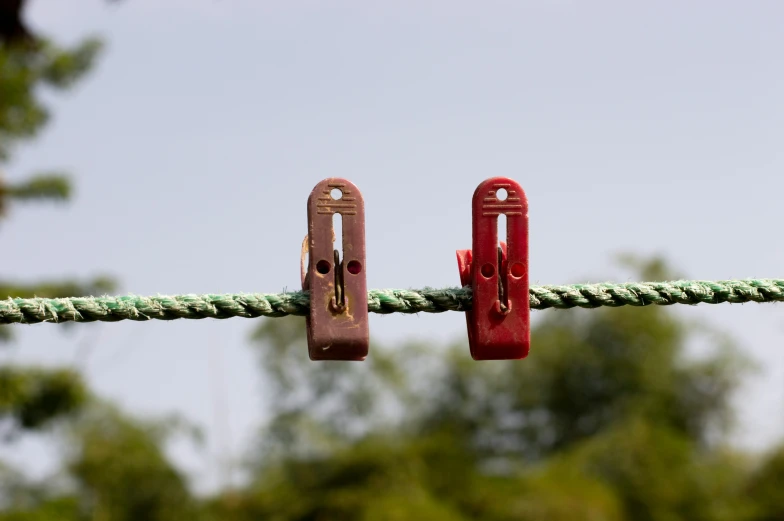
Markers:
(250, 305)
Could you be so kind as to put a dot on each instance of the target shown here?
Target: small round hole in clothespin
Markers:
(323, 266)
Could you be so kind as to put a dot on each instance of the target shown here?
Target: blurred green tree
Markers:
(121, 472)
(24, 72)
(765, 487)
(115, 469)
(32, 396)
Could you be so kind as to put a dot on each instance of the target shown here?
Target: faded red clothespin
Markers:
(338, 320)
(499, 322)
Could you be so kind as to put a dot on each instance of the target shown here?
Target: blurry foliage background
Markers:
(607, 420)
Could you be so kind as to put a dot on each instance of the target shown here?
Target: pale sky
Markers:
(652, 128)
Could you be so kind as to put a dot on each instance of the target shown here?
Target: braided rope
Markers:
(385, 301)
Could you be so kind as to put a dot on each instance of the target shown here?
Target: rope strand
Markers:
(384, 301)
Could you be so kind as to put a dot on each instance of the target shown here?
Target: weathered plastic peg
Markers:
(338, 320)
(499, 321)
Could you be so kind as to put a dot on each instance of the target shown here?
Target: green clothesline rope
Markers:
(250, 305)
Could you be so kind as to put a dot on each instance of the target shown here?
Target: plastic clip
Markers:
(499, 322)
(338, 320)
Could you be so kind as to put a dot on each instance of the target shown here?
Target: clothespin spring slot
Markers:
(339, 300)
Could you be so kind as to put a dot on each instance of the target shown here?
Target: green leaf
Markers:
(55, 187)
(64, 67)
(98, 286)
(33, 397)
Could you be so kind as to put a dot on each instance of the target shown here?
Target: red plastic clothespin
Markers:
(499, 322)
(338, 320)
